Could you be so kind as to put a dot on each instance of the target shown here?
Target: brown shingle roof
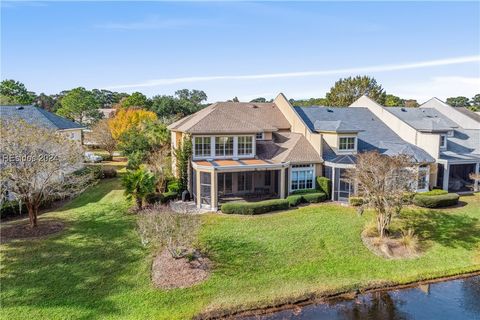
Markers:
(233, 117)
(288, 146)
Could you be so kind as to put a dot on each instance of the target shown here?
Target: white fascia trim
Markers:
(339, 165)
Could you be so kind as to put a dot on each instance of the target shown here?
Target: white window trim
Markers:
(235, 154)
(443, 146)
(347, 150)
(427, 176)
(292, 169)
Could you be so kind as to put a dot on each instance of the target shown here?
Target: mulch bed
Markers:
(388, 248)
(24, 231)
(171, 273)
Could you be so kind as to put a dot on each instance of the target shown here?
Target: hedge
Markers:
(434, 192)
(304, 191)
(250, 208)
(295, 200)
(324, 184)
(435, 201)
(160, 197)
(355, 201)
(315, 197)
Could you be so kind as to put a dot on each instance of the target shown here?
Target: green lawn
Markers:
(97, 268)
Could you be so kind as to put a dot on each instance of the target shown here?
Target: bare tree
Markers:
(382, 181)
(38, 164)
(160, 227)
(159, 162)
(102, 136)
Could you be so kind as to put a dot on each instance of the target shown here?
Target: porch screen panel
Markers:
(205, 188)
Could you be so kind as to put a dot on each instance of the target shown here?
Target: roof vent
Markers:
(20, 108)
(329, 110)
(404, 110)
(255, 106)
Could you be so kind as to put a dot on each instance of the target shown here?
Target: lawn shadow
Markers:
(446, 228)
(76, 270)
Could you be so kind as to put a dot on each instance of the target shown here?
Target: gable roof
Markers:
(287, 147)
(375, 136)
(233, 117)
(423, 119)
(38, 117)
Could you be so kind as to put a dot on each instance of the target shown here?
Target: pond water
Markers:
(452, 300)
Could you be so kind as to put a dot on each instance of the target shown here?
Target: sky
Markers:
(245, 49)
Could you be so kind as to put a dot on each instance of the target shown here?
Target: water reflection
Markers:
(457, 299)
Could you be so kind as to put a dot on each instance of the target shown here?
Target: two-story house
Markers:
(450, 135)
(245, 151)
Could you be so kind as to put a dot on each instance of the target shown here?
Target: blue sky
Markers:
(414, 49)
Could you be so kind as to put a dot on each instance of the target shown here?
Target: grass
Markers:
(97, 268)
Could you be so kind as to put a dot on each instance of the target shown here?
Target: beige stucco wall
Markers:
(296, 123)
(428, 142)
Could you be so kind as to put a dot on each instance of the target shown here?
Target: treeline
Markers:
(82, 105)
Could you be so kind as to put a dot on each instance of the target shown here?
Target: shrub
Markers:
(173, 186)
(168, 196)
(163, 198)
(438, 201)
(304, 191)
(434, 192)
(409, 240)
(255, 207)
(314, 197)
(295, 200)
(108, 173)
(323, 184)
(408, 197)
(355, 201)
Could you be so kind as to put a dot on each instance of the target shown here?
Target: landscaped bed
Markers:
(97, 268)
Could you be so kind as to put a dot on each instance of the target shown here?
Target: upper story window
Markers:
(202, 146)
(347, 143)
(223, 146)
(259, 136)
(443, 141)
(245, 145)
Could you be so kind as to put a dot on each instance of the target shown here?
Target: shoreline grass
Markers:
(97, 268)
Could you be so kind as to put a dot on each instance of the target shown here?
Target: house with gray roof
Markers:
(244, 151)
(450, 135)
(347, 132)
(42, 118)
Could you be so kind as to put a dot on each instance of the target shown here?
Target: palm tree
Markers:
(138, 184)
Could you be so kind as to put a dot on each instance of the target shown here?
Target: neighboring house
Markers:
(265, 150)
(450, 135)
(43, 118)
(245, 150)
(345, 132)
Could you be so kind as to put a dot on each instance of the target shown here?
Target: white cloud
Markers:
(440, 87)
(302, 74)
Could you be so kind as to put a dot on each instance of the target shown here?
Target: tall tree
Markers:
(194, 96)
(260, 100)
(458, 101)
(136, 99)
(393, 101)
(102, 136)
(80, 105)
(475, 101)
(127, 119)
(410, 103)
(45, 102)
(107, 98)
(15, 92)
(38, 165)
(346, 91)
